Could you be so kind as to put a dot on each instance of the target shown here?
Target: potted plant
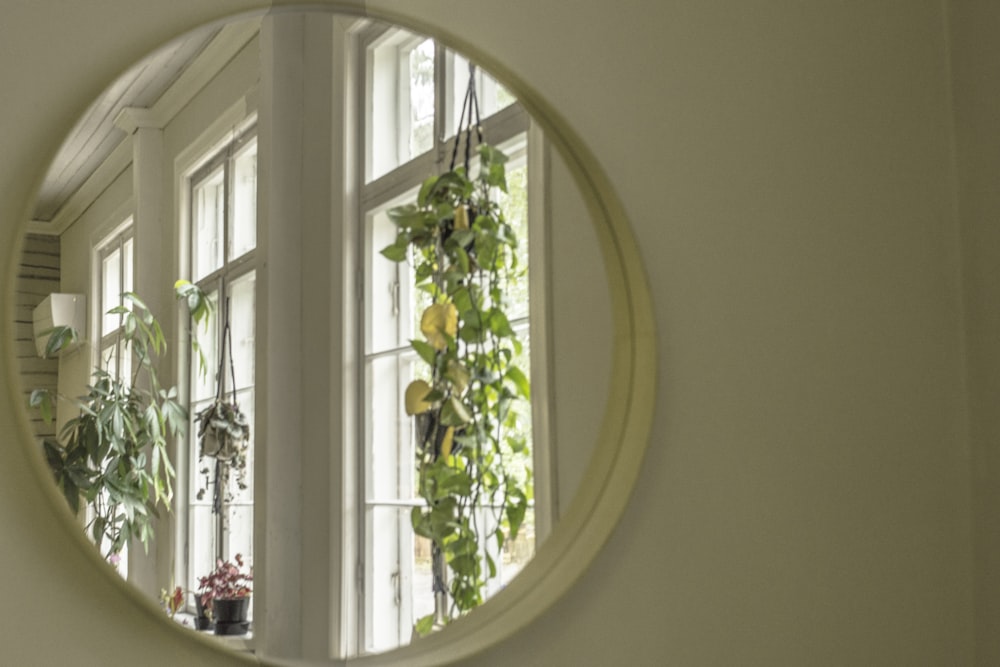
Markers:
(173, 601)
(226, 591)
(463, 253)
(223, 428)
(113, 454)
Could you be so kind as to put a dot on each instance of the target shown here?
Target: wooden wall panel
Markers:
(37, 277)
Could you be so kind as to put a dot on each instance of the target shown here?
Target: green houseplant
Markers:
(113, 453)
(226, 592)
(464, 253)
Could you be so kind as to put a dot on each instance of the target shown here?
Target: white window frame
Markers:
(222, 153)
(393, 187)
(119, 239)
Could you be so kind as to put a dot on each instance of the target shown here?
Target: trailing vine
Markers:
(464, 255)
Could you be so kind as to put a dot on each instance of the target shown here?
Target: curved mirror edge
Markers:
(624, 435)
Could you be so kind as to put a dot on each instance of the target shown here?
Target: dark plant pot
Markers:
(201, 621)
(231, 616)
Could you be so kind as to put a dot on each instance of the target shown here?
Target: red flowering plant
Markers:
(227, 581)
(172, 601)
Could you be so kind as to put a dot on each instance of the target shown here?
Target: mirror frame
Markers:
(604, 492)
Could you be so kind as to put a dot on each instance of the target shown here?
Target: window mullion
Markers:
(227, 205)
(441, 102)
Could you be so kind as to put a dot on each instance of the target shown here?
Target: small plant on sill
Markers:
(172, 601)
(228, 581)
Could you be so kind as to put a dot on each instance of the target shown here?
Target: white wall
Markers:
(806, 497)
(976, 58)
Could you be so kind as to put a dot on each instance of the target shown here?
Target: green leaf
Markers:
(517, 376)
(420, 524)
(394, 253)
(60, 337)
(462, 258)
(517, 505)
(134, 298)
(453, 413)
(42, 399)
(407, 216)
(425, 350)
(499, 324)
(72, 494)
(424, 625)
(491, 565)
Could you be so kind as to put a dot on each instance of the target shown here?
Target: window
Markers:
(115, 259)
(116, 271)
(223, 236)
(413, 99)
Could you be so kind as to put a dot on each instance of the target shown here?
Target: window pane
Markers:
(421, 582)
(491, 94)
(202, 533)
(243, 231)
(128, 270)
(111, 282)
(241, 486)
(239, 538)
(400, 115)
(383, 300)
(201, 471)
(383, 597)
(387, 428)
(421, 76)
(203, 370)
(401, 589)
(208, 208)
(109, 359)
(517, 552)
(514, 204)
(242, 306)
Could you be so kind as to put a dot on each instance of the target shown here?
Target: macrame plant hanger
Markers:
(470, 110)
(220, 393)
(471, 105)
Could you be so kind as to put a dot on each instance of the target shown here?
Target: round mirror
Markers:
(210, 266)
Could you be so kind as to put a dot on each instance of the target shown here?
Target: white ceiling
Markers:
(95, 135)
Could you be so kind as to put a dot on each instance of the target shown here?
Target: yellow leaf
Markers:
(461, 217)
(459, 376)
(446, 442)
(414, 397)
(439, 323)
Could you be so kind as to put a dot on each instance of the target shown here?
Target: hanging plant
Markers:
(464, 254)
(223, 428)
(113, 454)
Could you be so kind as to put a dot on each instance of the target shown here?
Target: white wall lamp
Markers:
(58, 310)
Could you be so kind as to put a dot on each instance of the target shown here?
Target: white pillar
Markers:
(293, 559)
(154, 262)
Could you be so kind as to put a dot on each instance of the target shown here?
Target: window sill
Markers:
(239, 643)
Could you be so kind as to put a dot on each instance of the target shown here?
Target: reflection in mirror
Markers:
(214, 162)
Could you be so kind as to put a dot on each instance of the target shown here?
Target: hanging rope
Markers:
(221, 476)
(470, 105)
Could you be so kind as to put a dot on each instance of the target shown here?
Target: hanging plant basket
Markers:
(223, 430)
(463, 252)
